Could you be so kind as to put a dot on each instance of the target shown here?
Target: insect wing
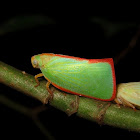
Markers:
(93, 80)
(130, 92)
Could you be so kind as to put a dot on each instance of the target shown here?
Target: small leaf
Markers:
(24, 22)
(111, 28)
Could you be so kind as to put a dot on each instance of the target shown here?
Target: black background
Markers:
(73, 33)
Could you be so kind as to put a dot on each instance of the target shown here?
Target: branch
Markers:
(101, 112)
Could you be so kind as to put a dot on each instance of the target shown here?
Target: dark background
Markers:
(72, 33)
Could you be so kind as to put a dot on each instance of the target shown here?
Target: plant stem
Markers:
(101, 112)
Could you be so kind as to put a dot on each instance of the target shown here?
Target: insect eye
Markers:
(35, 62)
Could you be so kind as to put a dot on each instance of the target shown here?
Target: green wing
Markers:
(80, 76)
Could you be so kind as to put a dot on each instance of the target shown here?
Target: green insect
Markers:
(92, 78)
(128, 94)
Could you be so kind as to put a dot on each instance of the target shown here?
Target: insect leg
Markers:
(117, 100)
(48, 87)
(49, 90)
(37, 76)
(126, 103)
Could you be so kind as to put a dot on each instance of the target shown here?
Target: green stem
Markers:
(93, 110)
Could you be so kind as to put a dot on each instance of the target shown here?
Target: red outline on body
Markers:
(107, 60)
